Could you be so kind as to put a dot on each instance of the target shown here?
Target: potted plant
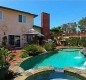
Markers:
(5, 58)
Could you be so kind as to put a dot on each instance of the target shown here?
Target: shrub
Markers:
(49, 46)
(24, 54)
(4, 41)
(5, 57)
(73, 41)
(40, 49)
(33, 49)
(76, 41)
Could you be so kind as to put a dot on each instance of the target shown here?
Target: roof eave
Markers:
(35, 16)
(19, 11)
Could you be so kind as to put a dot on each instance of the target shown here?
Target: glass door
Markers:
(11, 39)
(17, 41)
(14, 40)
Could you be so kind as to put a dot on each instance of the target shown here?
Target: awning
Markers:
(33, 32)
(39, 34)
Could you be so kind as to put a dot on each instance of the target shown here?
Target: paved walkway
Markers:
(16, 59)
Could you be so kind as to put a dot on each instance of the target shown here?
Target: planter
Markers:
(3, 72)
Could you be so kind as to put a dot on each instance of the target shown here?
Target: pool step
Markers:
(59, 79)
(59, 70)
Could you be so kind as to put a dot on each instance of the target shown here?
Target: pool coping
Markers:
(79, 73)
(31, 72)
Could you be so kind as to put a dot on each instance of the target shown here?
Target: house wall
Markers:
(11, 26)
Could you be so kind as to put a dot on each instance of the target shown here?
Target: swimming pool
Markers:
(54, 75)
(58, 59)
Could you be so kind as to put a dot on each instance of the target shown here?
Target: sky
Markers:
(61, 11)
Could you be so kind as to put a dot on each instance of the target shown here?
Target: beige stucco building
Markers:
(15, 24)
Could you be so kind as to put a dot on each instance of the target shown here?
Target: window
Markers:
(1, 15)
(22, 19)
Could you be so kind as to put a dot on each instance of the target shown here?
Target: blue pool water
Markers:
(64, 58)
(59, 59)
(56, 76)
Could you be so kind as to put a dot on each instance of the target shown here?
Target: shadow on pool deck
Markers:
(11, 75)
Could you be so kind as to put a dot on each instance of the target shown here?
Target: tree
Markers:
(73, 27)
(57, 30)
(65, 28)
(82, 24)
(69, 27)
